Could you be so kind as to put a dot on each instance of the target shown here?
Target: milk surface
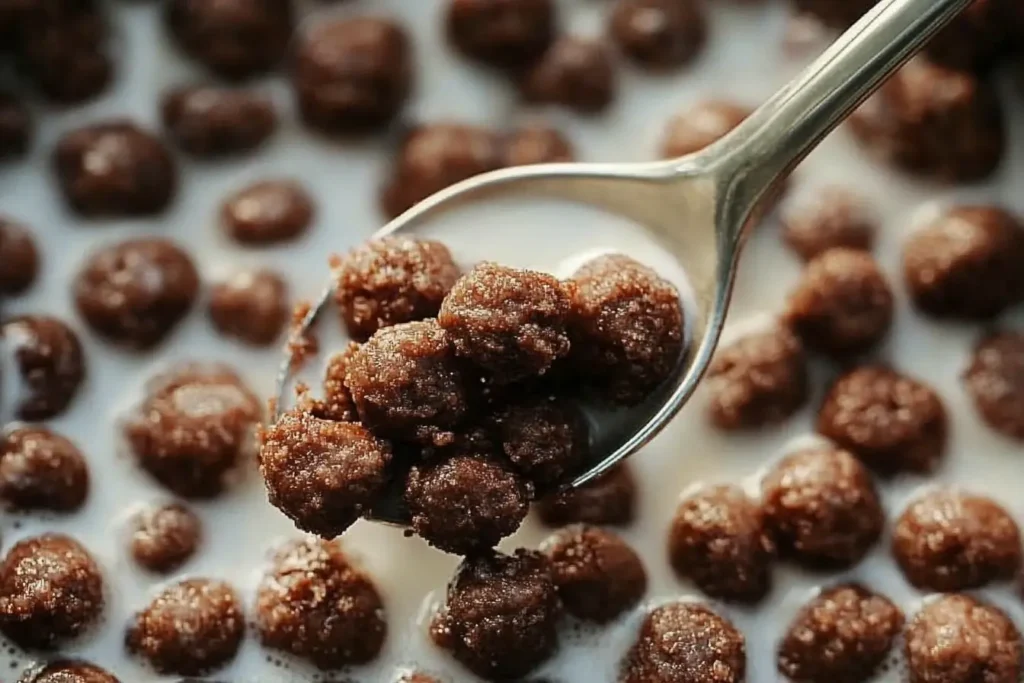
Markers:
(744, 60)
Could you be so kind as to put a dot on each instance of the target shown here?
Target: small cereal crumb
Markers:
(501, 33)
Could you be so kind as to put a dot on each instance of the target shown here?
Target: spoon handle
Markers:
(775, 138)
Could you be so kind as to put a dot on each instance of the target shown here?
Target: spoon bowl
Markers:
(698, 208)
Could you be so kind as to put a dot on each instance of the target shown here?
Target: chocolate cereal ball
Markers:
(435, 156)
(949, 541)
(352, 75)
(608, 500)
(323, 475)
(315, 605)
(843, 635)
(134, 293)
(510, 323)
(268, 212)
(193, 428)
(209, 122)
(16, 127)
(659, 34)
(537, 144)
(718, 540)
(822, 509)
(994, 380)
(597, 574)
(626, 329)
(957, 639)
(51, 591)
(406, 383)
(843, 304)
(392, 280)
(49, 361)
(545, 438)
(685, 642)
(966, 263)
(68, 671)
(695, 128)
(114, 169)
(20, 256)
(501, 615)
(758, 380)
(575, 73)
(502, 33)
(891, 422)
(829, 218)
(191, 628)
(164, 537)
(251, 306)
(466, 503)
(934, 122)
(41, 470)
(232, 38)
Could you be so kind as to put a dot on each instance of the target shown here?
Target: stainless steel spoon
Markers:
(699, 206)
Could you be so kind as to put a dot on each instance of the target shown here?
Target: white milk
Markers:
(744, 60)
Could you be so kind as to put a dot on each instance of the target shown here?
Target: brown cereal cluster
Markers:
(575, 73)
(41, 470)
(949, 541)
(164, 537)
(684, 642)
(719, 539)
(958, 639)
(20, 256)
(209, 122)
(314, 604)
(843, 635)
(189, 629)
(501, 615)
(994, 379)
(830, 218)
(757, 381)
(891, 422)
(597, 574)
(50, 363)
(51, 591)
(822, 508)
(193, 428)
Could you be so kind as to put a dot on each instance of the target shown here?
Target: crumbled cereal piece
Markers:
(958, 639)
(115, 169)
(608, 500)
(597, 574)
(194, 427)
(234, 39)
(392, 280)
(352, 75)
(685, 642)
(210, 122)
(406, 383)
(51, 591)
(843, 635)
(891, 422)
(316, 605)
(822, 508)
(190, 628)
(626, 329)
(466, 503)
(502, 33)
(994, 379)
(575, 73)
(41, 470)
(843, 304)
(251, 306)
(268, 212)
(659, 34)
(500, 619)
(322, 474)
(164, 537)
(49, 361)
(949, 541)
(134, 293)
(719, 540)
(966, 263)
(758, 380)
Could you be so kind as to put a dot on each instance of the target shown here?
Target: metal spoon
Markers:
(699, 206)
